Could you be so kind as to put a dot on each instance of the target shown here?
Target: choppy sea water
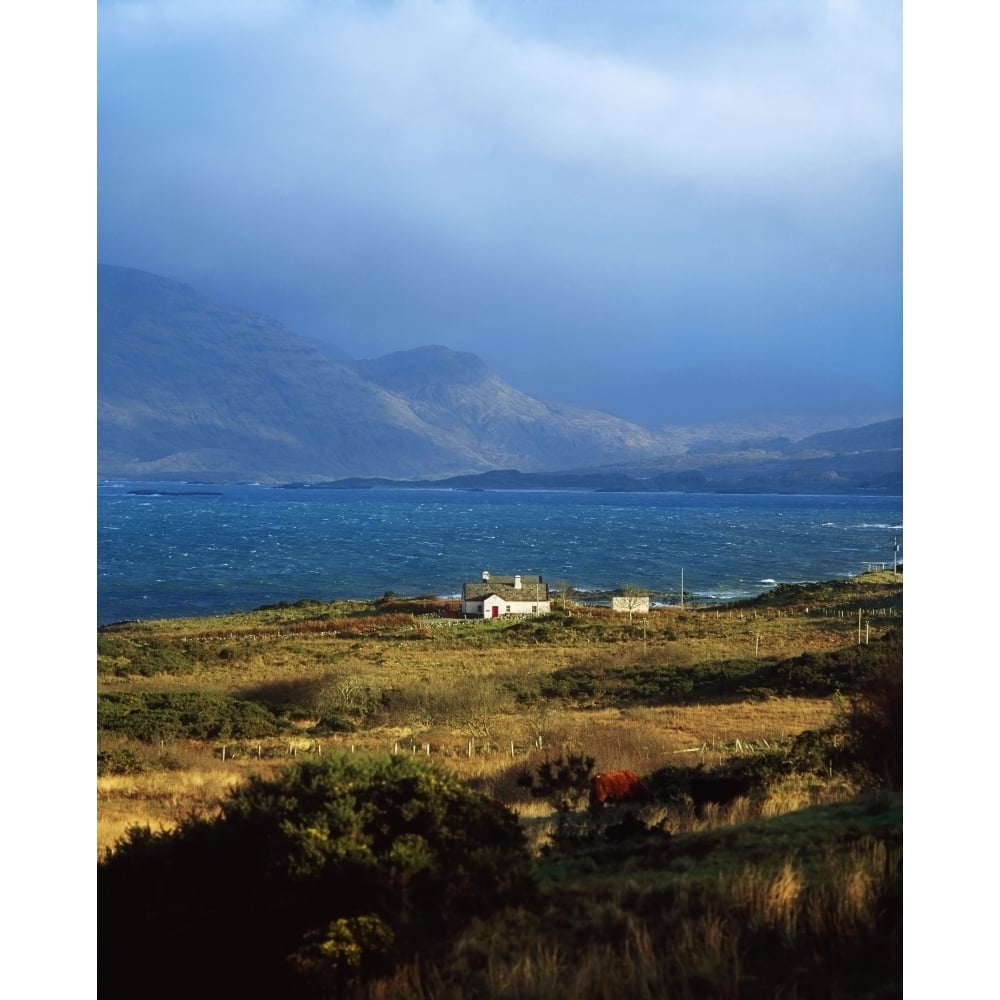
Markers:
(176, 555)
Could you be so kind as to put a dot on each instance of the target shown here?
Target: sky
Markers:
(642, 185)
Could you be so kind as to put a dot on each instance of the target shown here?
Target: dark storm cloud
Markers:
(697, 180)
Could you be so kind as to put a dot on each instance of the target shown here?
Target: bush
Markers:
(123, 657)
(152, 716)
(308, 884)
(120, 761)
(875, 721)
(125, 760)
(814, 675)
(564, 782)
(333, 724)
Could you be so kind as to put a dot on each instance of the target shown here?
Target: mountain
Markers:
(193, 389)
(456, 393)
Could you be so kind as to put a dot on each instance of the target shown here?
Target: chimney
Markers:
(517, 582)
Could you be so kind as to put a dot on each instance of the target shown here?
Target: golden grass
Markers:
(451, 689)
(705, 944)
(457, 686)
(642, 739)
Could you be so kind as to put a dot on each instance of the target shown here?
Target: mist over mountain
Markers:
(752, 391)
(190, 388)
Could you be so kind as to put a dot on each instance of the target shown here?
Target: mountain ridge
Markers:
(189, 388)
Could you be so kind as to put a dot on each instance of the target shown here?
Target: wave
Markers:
(254, 548)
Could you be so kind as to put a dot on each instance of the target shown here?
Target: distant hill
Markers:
(887, 434)
(191, 389)
(456, 393)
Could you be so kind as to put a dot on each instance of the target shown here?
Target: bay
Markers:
(172, 549)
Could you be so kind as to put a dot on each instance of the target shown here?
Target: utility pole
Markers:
(682, 588)
(895, 553)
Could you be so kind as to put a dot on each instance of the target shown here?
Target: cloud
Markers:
(486, 166)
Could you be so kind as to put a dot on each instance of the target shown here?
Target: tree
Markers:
(564, 589)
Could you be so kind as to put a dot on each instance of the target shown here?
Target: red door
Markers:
(495, 611)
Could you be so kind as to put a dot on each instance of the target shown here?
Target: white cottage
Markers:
(497, 596)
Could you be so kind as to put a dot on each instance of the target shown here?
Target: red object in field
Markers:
(615, 787)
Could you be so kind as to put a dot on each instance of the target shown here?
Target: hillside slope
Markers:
(456, 393)
(189, 388)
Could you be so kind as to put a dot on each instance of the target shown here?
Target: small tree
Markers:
(564, 589)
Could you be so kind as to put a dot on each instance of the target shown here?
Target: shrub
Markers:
(120, 761)
(846, 670)
(123, 657)
(565, 781)
(333, 724)
(307, 884)
(125, 760)
(151, 716)
(875, 721)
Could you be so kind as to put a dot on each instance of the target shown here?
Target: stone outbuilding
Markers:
(632, 603)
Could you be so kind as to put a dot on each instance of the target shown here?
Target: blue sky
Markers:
(685, 183)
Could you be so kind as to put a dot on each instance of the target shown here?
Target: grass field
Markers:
(722, 896)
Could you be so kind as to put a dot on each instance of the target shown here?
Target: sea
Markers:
(167, 550)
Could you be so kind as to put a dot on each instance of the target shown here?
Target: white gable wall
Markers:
(485, 609)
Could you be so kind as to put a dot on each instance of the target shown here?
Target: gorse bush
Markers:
(307, 884)
(126, 761)
(874, 721)
(122, 657)
(151, 716)
(565, 781)
(120, 761)
(845, 670)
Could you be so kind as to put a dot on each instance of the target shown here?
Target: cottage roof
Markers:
(532, 589)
